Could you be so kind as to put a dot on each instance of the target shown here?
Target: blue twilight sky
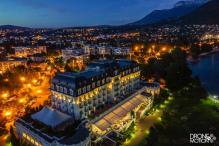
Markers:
(64, 13)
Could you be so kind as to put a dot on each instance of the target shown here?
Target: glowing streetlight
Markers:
(29, 85)
(164, 49)
(21, 100)
(22, 79)
(215, 96)
(34, 80)
(4, 95)
(7, 113)
(6, 80)
(159, 119)
(136, 48)
(39, 91)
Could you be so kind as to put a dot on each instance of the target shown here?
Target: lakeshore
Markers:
(206, 69)
(191, 59)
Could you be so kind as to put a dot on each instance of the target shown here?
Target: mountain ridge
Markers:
(180, 9)
(206, 14)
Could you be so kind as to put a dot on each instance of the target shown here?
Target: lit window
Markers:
(65, 90)
(61, 89)
(93, 85)
(88, 88)
(84, 89)
(79, 91)
(57, 87)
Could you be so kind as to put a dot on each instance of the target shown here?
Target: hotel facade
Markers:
(104, 82)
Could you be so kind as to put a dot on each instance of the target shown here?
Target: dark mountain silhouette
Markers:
(206, 14)
(12, 27)
(180, 9)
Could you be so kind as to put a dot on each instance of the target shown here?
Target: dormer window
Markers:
(71, 92)
(57, 87)
(79, 91)
(84, 90)
(93, 85)
(61, 89)
(65, 90)
(88, 88)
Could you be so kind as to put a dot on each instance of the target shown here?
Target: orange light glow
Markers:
(5, 95)
(34, 80)
(39, 91)
(22, 79)
(164, 49)
(7, 113)
(21, 100)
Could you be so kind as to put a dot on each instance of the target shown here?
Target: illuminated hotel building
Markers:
(77, 96)
(103, 82)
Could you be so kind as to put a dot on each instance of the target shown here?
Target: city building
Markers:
(27, 51)
(8, 63)
(79, 54)
(121, 50)
(77, 57)
(38, 57)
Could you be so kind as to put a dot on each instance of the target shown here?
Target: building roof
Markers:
(13, 59)
(121, 111)
(97, 70)
(71, 80)
(51, 117)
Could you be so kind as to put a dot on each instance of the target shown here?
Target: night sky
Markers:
(64, 13)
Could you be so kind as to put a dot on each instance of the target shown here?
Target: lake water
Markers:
(207, 69)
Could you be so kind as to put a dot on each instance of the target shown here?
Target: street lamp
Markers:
(215, 96)
(22, 79)
(39, 91)
(4, 95)
(21, 100)
(164, 49)
(34, 80)
(7, 113)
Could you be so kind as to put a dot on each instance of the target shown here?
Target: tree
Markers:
(178, 75)
(13, 138)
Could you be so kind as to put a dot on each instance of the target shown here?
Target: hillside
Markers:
(206, 14)
(11, 27)
(180, 9)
